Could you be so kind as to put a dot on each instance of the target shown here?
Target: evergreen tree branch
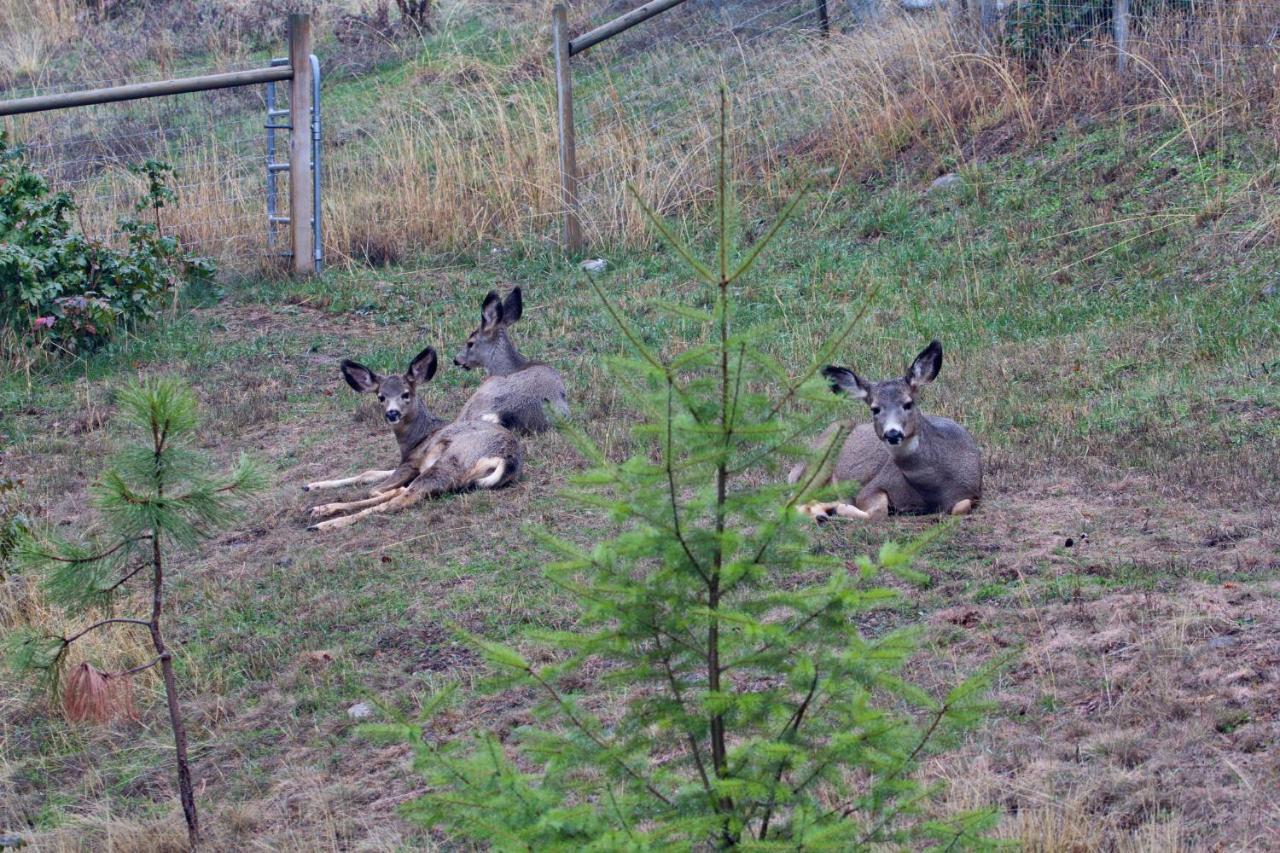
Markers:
(93, 558)
(824, 353)
(132, 572)
(586, 730)
(671, 488)
(69, 640)
(902, 767)
(672, 240)
(694, 748)
(634, 339)
(768, 236)
(137, 669)
(788, 733)
(773, 644)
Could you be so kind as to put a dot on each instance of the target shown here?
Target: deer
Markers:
(436, 457)
(904, 460)
(515, 390)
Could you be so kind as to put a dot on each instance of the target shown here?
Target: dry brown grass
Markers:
(30, 31)
(462, 152)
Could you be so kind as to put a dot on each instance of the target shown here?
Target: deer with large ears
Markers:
(436, 456)
(905, 461)
(516, 391)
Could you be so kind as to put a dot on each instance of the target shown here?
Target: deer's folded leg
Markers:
(874, 507)
(402, 476)
(844, 510)
(357, 480)
(818, 510)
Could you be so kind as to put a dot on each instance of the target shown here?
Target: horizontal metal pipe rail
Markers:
(622, 23)
(135, 91)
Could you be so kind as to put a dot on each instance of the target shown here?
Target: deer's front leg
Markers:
(390, 502)
(825, 511)
(357, 480)
(324, 510)
(402, 476)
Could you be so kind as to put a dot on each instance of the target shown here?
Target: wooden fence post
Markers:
(1120, 28)
(824, 20)
(564, 112)
(301, 188)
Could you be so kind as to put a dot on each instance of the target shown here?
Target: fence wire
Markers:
(465, 156)
(214, 140)
(645, 101)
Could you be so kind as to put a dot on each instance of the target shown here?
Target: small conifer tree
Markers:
(154, 496)
(730, 697)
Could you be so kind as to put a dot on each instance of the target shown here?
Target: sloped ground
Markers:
(1122, 384)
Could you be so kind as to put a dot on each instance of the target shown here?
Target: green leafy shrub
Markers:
(744, 706)
(156, 496)
(61, 289)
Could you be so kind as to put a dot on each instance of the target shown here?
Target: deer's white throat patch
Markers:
(906, 448)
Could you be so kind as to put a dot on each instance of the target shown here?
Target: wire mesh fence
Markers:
(803, 75)
(646, 102)
(465, 154)
(214, 140)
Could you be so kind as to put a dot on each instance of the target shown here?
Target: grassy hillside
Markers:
(1104, 284)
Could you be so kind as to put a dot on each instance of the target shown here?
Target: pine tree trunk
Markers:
(185, 790)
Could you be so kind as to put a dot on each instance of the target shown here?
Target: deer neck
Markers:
(415, 427)
(506, 359)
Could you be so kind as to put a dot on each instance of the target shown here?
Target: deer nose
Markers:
(457, 361)
(893, 436)
(393, 415)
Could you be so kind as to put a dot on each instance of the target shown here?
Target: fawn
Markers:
(905, 461)
(515, 389)
(436, 456)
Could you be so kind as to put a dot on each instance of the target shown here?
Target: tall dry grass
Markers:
(463, 153)
(458, 176)
(30, 32)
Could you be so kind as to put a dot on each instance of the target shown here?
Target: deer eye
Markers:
(404, 396)
(907, 405)
(875, 410)
(382, 399)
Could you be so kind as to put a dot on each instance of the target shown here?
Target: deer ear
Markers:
(512, 306)
(423, 367)
(359, 377)
(491, 312)
(926, 366)
(844, 380)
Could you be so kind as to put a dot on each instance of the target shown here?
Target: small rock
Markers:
(946, 182)
(360, 711)
(595, 265)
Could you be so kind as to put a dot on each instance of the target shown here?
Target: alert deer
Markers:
(436, 456)
(905, 461)
(515, 390)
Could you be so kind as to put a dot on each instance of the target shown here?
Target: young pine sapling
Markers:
(156, 497)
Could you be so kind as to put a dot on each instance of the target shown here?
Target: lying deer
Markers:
(515, 390)
(906, 461)
(435, 456)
